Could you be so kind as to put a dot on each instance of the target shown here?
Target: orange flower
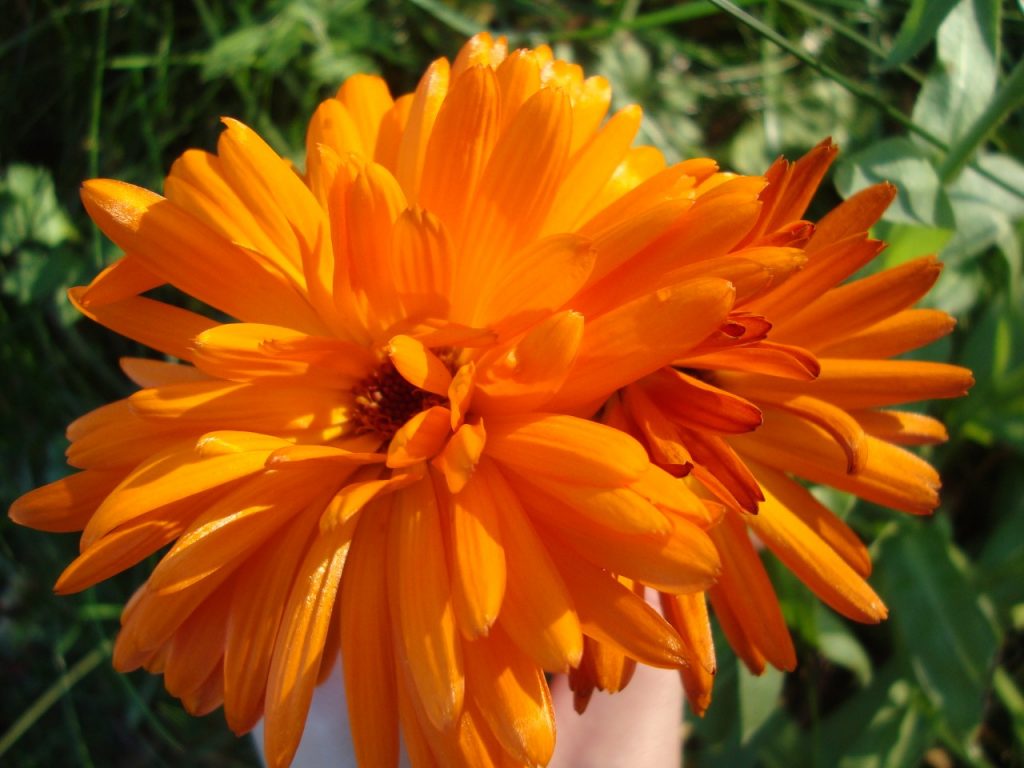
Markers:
(386, 451)
(797, 382)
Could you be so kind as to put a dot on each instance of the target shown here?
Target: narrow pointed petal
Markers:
(421, 604)
(751, 601)
(300, 644)
(513, 697)
(479, 577)
(611, 613)
(368, 661)
(640, 337)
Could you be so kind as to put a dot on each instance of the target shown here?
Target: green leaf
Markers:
(895, 736)
(907, 241)
(957, 93)
(759, 700)
(938, 618)
(921, 199)
(917, 30)
(840, 646)
(987, 206)
(29, 211)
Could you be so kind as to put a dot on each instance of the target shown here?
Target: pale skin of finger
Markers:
(641, 727)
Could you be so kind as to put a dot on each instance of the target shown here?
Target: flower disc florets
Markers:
(384, 401)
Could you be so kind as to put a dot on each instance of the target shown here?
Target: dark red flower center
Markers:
(384, 401)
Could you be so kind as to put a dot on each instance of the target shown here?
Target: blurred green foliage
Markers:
(925, 93)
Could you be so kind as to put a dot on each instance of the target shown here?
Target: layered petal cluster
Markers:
(369, 435)
(798, 384)
(446, 404)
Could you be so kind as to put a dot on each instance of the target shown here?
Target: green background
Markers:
(925, 93)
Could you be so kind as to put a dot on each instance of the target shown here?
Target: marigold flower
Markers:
(386, 449)
(797, 382)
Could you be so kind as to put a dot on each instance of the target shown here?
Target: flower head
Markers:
(373, 434)
(797, 384)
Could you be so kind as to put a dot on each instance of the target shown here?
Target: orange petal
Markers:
(186, 253)
(693, 403)
(300, 643)
(460, 456)
(854, 215)
(197, 647)
(533, 370)
(816, 516)
(123, 279)
(66, 504)
(246, 406)
(174, 474)
(752, 620)
(460, 144)
(689, 615)
(640, 337)
(155, 373)
(815, 563)
(537, 612)
(857, 384)
(160, 326)
(902, 427)
(858, 305)
(478, 583)
(564, 448)
(235, 526)
(683, 560)
(421, 263)
(426, 103)
(368, 659)
(421, 604)
(367, 99)
(264, 583)
(590, 169)
(418, 365)
(613, 614)
(899, 333)
(513, 697)
(246, 351)
(420, 438)
(515, 191)
(536, 279)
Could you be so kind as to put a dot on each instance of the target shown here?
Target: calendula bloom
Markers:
(372, 435)
(798, 383)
